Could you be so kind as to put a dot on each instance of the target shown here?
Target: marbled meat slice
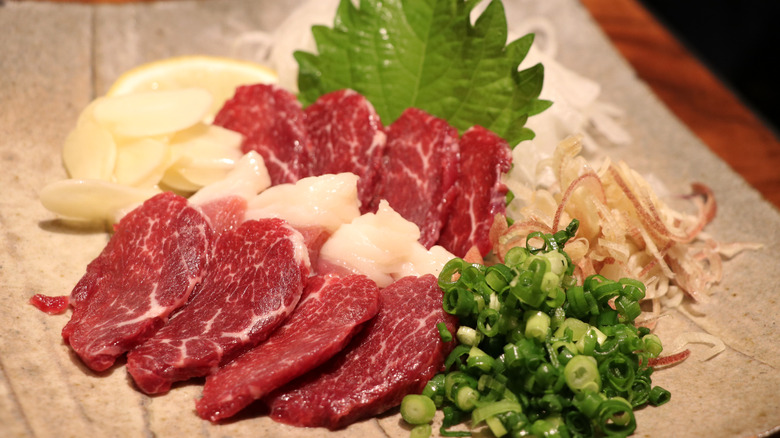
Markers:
(484, 158)
(419, 171)
(253, 282)
(147, 270)
(272, 122)
(346, 135)
(395, 354)
(331, 311)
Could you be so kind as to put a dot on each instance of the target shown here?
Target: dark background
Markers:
(738, 40)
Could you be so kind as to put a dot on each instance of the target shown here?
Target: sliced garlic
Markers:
(141, 163)
(91, 200)
(202, 133)
(153, 113)
(201, 155)
(89, 151)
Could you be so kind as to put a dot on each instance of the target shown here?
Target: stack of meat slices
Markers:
(185, 295)
(449, 186)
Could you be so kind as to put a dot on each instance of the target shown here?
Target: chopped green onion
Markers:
(545, 375)
(659, 396)
(421, 431)
(465, 397)
(434, 389)
(444, 333)
(555, 298)
(557, 318)
(537, 324)
(538, 353)
(619, 372)
(588, 343)
(510, 196)
(608, 317)
(498, 277)
(558, 262)
(551, 403)
(487, 322)
(549, 428)
(471, 276)
(604, 289)
(450, 273)
(633, 289)
(628, 308)
(587, 402)
(516, 256)
(582, 374)
(452, 416)
(578, 423)
(480, 360)
(616, 417)
(640, 391)
(417, 409)
(535, 236)
(458, 301)
(453, 433)
(577, 304)
(550, 282)
(652, 345)
(496, 427)
(492, 409)
(577, 327)
(454, 357)
(468, 336)
(455, 379)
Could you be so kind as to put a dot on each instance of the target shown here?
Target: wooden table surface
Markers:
(693, 93)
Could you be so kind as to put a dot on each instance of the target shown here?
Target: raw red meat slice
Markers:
(346, 135)
(148, 269)
(419, 170)
(330, 313)
(272, 122)
(395, 354)
(484, 157)
(253, 283)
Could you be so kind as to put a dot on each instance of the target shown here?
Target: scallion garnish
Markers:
(539, 354)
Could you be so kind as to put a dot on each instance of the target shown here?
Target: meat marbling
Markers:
(147, 270)
(329, 314)
(419, 170)
(272, 122)
(255, 281)
(484, 157)
(346, 135)
(395, 354)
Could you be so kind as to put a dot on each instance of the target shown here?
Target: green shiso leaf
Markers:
(427, 54)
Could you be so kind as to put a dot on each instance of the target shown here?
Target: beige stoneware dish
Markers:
(55, 58)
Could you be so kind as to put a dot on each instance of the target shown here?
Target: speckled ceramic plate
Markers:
(55, 58)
